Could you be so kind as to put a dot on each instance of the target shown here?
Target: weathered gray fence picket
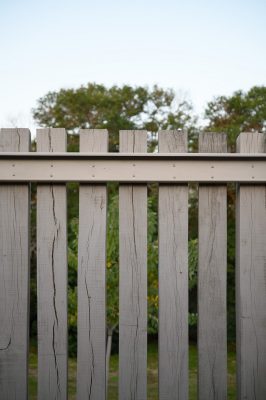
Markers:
(212, 266)
(251, 280)
(130, 166)
(173, 278)
(52, 276)
(133, 278)
(14, 276)
(91, 277)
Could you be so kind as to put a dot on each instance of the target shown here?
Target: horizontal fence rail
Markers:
(51, 167)
(115, 167)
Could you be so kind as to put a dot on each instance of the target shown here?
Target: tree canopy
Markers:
(126, 107)
(243, 111)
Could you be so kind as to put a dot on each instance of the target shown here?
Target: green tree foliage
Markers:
(126, 107)
(243, 111)
(115, 108)
(112, 271)
(96, 106)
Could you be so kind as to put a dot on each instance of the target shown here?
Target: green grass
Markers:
(152, 374)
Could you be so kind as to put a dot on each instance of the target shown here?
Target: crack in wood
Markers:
(7, 346)
(55, 361)
(90, 342)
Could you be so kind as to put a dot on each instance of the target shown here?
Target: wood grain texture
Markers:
(91, 373)
(133, 279)
(251, 280)
(212, 267)
(173, 278)
(52, 277)
(14, 276)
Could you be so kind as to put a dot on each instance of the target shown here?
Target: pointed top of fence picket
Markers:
(173, 141)
(133, 141)
(51, 139)
(212, 142)
(251, 142)
(93, 140)
(14, 139)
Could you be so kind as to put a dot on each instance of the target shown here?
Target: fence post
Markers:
(14, 276)
(133, 279)
(212, 268)
(52, 276)
(173, 278)
(91, 373)
(251, 279)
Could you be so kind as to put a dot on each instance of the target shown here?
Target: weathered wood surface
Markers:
(14, 276)
(173, 278)
(52, 277)
(212, 337)
(91, 373)
(133, 279)
(251, 280)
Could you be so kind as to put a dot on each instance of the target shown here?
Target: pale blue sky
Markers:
(198, 48)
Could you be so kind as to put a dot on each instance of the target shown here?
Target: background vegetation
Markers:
(126, 107)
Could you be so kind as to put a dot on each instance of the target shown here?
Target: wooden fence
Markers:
(93, 167)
